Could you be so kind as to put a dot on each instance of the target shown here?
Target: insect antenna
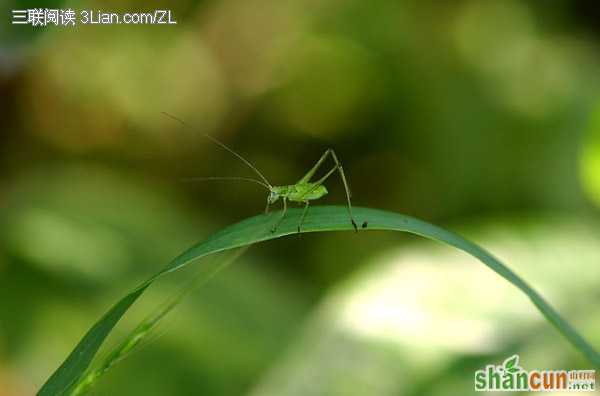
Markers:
(214, 140)
(226, 178)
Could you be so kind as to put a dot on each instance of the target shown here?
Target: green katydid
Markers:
(303, 191)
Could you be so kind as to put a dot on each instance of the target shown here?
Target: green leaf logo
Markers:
(511, 365)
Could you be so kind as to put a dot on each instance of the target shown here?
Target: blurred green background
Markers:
(483, 117)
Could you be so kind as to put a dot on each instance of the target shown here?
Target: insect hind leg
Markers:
(340, 169)
(306, 178)
(346, 187)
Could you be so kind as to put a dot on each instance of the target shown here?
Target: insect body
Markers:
(298, 192)
(303, 191)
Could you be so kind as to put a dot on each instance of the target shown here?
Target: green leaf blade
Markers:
(80, 358)
(319, 219)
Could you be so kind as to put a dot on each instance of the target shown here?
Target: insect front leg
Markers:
(282, 216)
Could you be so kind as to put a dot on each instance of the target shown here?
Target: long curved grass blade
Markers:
(320, 218)
(142, 332)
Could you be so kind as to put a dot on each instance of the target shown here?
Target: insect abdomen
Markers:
(306, 192)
